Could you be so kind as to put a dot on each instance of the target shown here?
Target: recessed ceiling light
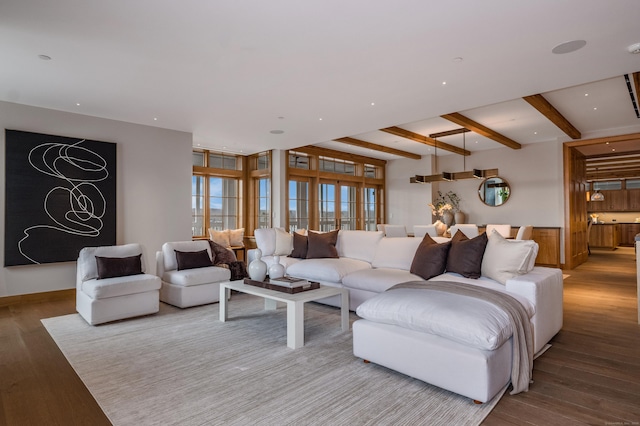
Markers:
(155, 118)
(373, 103)
(595, 108)
(77, 104)
(44, 57)
(535, 133)
(281, 118)
(586, 94)
(457, 59)
(569, 46)
(320, 119)
(444, 83)
(276, 132)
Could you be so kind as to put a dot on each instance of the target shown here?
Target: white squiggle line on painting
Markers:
(79, 167)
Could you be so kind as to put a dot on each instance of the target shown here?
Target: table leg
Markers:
(295, 324)
(344, 310)
(223, 303)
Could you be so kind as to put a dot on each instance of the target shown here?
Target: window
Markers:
(341, 191)
(264, 203)
(259, 166)
(298, 205)
(610, 184)
(633, 183)
(216, 188)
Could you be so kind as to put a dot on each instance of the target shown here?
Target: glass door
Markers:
(337, 206)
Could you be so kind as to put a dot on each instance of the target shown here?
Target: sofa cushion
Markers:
(236, 237)
(198, 276)
(504, 259)
(265, 240)
(220, 254)
(284, 242)
(430, 259)
(300, 243)
(118, 286)
(192, 259)
(396, 253)
(169, 254)
(111, 267)
(328, 270)
(220, 237)
(359, 245)
(377, 280)
(465, 255)
(322, 244)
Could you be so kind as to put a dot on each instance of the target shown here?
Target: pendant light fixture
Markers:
(597, 195)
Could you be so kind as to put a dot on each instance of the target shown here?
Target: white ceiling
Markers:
(230, 71)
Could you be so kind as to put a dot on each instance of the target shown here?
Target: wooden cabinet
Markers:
(548, 240)
(633, 200)
(604, 236)
(628, 233)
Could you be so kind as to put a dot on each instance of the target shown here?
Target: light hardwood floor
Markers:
(591, 374)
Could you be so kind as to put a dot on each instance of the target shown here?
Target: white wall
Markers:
(533, 172)
(153, 188)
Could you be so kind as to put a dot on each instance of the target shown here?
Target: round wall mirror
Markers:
(494, 191)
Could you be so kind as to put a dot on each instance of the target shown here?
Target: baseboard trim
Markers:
(46, 296)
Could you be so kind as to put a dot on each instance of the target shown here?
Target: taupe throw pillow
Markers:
(193, 259)
(221, 254)
(111, 267)
(465, 255)
(300, 243)
(430, 259)
(322, 245)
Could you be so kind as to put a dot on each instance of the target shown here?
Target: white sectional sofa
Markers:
(369, 264)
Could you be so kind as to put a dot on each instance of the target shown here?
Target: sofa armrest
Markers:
(543, 287)
(159, 264)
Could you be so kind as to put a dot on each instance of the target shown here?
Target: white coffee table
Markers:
(295, 305)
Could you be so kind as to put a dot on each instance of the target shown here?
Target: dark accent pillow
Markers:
(238, 270)
(465, 255)
(300, 244)
(111, 267)
(322, 245)
(221, 254)
(193, 259)
(430, 259)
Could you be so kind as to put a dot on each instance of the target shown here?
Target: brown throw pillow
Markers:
(430, 259)
(322, 244)
(465, 255)
(221, 254)
(193, 259)
(300, 243)
(111, 267)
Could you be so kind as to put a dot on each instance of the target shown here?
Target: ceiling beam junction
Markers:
(474, 126)
(408, 134)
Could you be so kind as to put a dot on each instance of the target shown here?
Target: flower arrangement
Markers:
(445, 202)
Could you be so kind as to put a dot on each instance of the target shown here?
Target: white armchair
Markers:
(394, 230)
(188, 287)
(114, 286)
(524, 232)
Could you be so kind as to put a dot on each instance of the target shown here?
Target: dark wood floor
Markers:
(591, 375)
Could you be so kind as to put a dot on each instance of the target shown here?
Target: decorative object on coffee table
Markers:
(257, 268)
(276, 270)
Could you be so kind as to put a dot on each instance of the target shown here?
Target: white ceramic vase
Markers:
(257, 268)
(276, 270)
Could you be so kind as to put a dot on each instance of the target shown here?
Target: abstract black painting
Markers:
(60, 196)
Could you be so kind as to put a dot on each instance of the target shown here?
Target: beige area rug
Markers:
(185, 367)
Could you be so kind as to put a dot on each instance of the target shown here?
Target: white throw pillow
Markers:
(236, 237)
(504, 259)
(284, 243)
(220, 237)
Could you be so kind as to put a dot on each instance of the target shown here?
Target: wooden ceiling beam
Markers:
(449, 133)
(478, 128)
(552, 114)
(408, 134)
(385, 149)
(332, 153)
